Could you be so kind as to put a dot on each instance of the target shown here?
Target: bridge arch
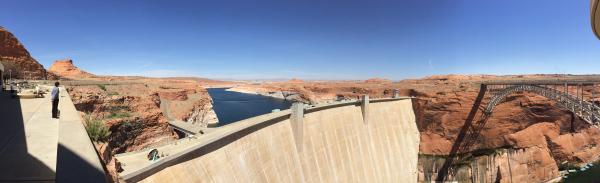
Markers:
(586, 110)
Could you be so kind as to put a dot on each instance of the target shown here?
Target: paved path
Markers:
(28, 139)
(34, 147)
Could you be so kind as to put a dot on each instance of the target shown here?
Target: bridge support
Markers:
(297, 120)
(365, 109)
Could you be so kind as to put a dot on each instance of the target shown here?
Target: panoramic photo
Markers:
(294, 91)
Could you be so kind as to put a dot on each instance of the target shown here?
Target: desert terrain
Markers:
(529, 129)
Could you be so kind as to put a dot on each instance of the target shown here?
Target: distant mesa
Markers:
(16, 59)
(459, 77)
(66, 69)
(378, 81)
(295, 81)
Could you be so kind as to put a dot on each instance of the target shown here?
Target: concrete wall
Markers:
(77, 159)
(336, 145)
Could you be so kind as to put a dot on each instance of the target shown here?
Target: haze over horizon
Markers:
(309, 39)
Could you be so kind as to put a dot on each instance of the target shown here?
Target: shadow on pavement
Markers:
(72, 168)
(15, 162)
(17, 165)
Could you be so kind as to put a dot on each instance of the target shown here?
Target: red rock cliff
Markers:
(65, 68)
(15, 57)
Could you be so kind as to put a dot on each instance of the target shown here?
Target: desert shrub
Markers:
(97, 130)
(117, 108)
(567, 166)
(116, 115)
(102, 87)
(164, 87)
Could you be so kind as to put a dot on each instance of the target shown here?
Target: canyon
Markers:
(137, 111)
(527, 139)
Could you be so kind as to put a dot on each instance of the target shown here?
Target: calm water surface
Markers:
(233, 106)
(591, 175)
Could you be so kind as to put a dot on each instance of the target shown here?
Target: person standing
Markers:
(54, 95)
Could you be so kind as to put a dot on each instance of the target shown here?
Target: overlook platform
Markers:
(34, 147)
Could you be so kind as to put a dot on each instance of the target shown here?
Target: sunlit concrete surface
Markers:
(34, 147)
(329, 143)
(28, 139)
(78, 160)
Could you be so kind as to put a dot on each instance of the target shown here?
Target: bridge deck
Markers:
(558, 81)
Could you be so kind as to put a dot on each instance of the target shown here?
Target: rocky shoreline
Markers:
(291, 96)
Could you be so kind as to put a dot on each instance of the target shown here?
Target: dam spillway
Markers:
(355, 141)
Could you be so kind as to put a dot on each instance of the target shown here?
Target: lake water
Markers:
(591, 175)
(234, 106)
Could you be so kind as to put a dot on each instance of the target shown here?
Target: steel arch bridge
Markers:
(580, 103)
(587, 110)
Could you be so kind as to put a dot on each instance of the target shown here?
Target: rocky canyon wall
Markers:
(17, 59)
(137, 111)
(542, 136)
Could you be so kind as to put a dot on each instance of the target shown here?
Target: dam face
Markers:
(336, 144)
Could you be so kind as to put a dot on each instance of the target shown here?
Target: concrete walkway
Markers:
(28, 139)
(34, 147)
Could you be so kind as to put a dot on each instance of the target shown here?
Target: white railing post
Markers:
(297, 120)
(365, 109)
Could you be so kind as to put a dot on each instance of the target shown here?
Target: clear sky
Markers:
(309, 39)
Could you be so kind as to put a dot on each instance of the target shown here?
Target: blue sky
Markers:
(309, 39)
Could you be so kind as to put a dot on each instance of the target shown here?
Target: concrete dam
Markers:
(353, 141)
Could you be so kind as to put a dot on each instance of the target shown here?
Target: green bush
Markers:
(102, 87)
(116, 115)
(117, 108)
(97, 130)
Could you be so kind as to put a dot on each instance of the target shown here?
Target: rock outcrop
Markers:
(66, 69)
(16, 58)
(550, 136)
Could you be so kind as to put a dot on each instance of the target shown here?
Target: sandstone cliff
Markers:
(66, 69)
(16, 58)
